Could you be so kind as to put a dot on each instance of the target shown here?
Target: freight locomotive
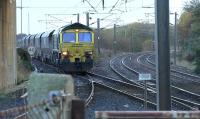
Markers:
(70, 47)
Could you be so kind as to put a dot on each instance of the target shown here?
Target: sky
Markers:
(44, 15)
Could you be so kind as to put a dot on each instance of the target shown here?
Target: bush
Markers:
(190, 57)
(24, 67)
(197, 61)
(23, 54)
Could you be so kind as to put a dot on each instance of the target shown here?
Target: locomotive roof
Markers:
(75, 26)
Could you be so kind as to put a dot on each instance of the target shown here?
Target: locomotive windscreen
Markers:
(85, 37)
(69, 37)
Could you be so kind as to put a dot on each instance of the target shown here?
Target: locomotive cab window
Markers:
(69, 37)
(85, 37)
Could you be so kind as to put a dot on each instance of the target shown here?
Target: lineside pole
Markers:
(114, 40)
(28, 23)
(21, 17)
(175, 37)
(78, 18)
(131, 41)
(87, 19)
(162, 55)
(98, 35)
(145, 95)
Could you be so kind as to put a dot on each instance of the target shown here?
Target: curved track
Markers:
(183, 102)
(184, 75)
(128, 89)
(89, 97)
(179, 80)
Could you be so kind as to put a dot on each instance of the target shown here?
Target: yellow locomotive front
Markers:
(77, 48)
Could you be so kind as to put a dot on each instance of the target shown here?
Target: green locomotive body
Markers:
(76, 48)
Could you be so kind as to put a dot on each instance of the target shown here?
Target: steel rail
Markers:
(91, 95)
(125, 93)
(173, 70)
(176, 99)
(115, 80)
(139, 98)
(126, 87)
(187, 106)
(89, 99)
(131, 81)
(175, 87)
(95, 82)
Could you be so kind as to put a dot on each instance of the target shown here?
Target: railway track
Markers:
(117, 86)
(128, 89)
(175, 78)
(176, 100)
(90, 97)
(135, 90)
(188, 95)
(86, 97)
(186, 76)
(133, 81)
(103, 81)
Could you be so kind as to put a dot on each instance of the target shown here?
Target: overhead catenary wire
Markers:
(113, 6)
(98, 4)
(125, 2)
(102, 19)
(56, 18)
(91, 5)
(117, 6)
(111, 24)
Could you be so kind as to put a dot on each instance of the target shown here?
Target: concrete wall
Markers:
(7, 43)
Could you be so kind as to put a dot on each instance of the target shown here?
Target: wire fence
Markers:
(47, 109)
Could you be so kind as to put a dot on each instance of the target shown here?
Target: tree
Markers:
(184, 24)
(130, 37)
(147, 45)
(192, 6)
(197, 61)
(190, 25)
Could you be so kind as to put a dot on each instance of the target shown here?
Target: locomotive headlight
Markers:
(89, 53)
(64, 53)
